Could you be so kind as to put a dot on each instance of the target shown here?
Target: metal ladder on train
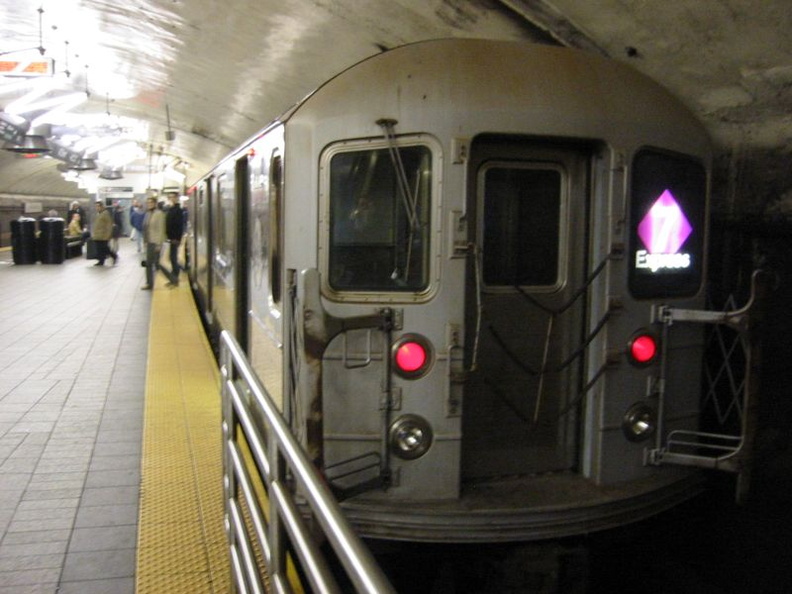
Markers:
(721, 451)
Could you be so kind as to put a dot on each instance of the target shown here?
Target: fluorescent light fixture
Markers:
(171, 173)
(38, 89)
(62, 105)
(16, 86)
(94, 144)
(119, 155)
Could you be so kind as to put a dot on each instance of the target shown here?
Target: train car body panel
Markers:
(503, 209)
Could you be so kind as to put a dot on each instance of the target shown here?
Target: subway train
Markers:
(452, 266)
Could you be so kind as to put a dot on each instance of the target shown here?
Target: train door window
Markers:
(226, 219)
(379, 214)
(276, 240)
(522, 224)
(667, 216)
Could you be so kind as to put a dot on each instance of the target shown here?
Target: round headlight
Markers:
(639, 422)
(410, 437)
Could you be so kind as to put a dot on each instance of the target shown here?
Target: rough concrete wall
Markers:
(751, 181)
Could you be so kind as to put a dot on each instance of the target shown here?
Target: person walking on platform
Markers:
(101, 233)
(118, 225)
(153, 238)
(136, 215)
(174, 229)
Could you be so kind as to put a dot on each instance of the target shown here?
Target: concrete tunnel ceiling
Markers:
(187, 80)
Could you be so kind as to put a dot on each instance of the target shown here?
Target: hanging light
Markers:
(170, 135)
(85, 164)
(111, 174)
(30, 145)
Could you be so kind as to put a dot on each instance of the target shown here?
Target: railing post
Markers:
(228, 431)
(277, 534)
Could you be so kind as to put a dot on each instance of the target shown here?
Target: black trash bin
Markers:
(52, 250)
(23, 240)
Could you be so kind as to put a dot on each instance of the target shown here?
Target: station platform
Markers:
(110, 438)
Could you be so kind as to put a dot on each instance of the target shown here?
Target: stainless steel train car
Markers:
(446, 265)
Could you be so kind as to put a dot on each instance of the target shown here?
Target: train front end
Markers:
(476, 351)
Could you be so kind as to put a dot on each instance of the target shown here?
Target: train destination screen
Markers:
(668, 205)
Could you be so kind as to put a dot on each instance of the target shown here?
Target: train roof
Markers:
(519, 86)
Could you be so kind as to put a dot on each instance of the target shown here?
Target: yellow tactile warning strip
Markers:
(181, 540)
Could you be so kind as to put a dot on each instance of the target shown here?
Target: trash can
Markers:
(52, 250)
(23, 240)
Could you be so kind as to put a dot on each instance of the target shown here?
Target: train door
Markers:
(200, 262)
(224, 250)
(529, 219)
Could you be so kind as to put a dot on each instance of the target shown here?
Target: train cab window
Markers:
(667, 218)
(521, 234)
(379, 219)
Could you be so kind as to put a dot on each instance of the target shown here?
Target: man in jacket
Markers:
(101, 233)
(153, 237)
(174, 229)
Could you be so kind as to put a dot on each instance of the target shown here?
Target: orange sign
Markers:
(28, 68)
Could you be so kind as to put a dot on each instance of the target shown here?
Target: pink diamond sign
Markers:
(665, 228)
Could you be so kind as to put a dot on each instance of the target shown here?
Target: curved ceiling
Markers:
(188, 80)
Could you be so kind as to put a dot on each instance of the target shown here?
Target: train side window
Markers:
(522, 217)
(379, 220)
(667, 225)
(276, 243)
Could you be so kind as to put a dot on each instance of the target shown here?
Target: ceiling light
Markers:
(31, 144)
(7, 88)
(61, 106)
(170, 173)
(111, 174)
(40, 88)
(85, 164)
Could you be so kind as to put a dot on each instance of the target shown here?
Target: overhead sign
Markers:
(64, 153)
(29, 68)
(11, 132)
(117, 189)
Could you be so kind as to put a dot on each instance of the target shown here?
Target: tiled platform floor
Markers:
(73, 345)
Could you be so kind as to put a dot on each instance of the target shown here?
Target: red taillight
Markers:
(411, 356)
(643, 348)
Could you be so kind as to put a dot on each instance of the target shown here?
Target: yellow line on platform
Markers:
(181, 540)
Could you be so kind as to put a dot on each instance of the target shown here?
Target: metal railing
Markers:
(722, 451)
(272, 527)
